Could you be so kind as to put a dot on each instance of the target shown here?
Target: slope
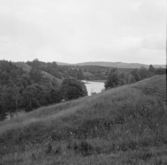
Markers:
(27, 68)
(124, 125)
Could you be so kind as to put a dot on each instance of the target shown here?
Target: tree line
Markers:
(72, 71)
(118, 78)
(20, 90)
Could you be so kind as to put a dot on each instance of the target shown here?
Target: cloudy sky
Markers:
(75, 31)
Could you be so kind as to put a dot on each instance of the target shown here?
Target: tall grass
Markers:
(125, 125)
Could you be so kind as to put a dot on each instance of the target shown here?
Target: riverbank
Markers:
(102, 81)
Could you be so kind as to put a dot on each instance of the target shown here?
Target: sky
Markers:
(73, 31)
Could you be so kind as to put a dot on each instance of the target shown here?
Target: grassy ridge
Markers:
(155, 86)
(125, 125)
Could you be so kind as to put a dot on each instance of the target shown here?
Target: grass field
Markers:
(124, 125)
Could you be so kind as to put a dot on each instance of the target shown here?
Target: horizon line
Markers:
(88, 62)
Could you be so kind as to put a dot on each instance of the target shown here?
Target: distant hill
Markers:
(90, 70)
(118, 64)
(27, 68)
(62, 63)
(123, 125)
(105, 64)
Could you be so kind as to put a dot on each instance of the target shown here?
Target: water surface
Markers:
(93, 87)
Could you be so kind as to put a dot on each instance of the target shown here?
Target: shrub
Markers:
(73, 89)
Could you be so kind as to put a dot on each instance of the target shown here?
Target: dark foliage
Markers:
(118, 77)
(73, 89)
(81, 147)
(113, 79)
(20, 90)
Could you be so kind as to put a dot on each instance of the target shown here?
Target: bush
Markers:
(113, 79)
(72, 89)
(82, 148)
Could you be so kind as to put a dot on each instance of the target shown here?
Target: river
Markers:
(93, 87)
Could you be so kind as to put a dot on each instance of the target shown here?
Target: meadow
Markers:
(123, 125)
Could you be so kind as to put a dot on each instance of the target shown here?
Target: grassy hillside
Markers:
(125, 125)
(27, 68)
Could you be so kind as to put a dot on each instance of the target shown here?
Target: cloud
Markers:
(155, 41)
(76, 31)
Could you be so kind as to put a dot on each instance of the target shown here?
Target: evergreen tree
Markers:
(80, 75)
(151, 69)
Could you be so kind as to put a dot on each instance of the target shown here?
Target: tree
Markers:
(10, 99)
(161, 71)
(3, 107)
(131, 79)
(136, 75)
(55, 96)
(80, 75)
(113, 79)
(122, 76)
(30, 96)
(143, 72)
(17, 101)
(54, 65)
(151, 69)
(73, 89)
(35, 63)
(20, 90)
(4, 77)
(36, 74)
